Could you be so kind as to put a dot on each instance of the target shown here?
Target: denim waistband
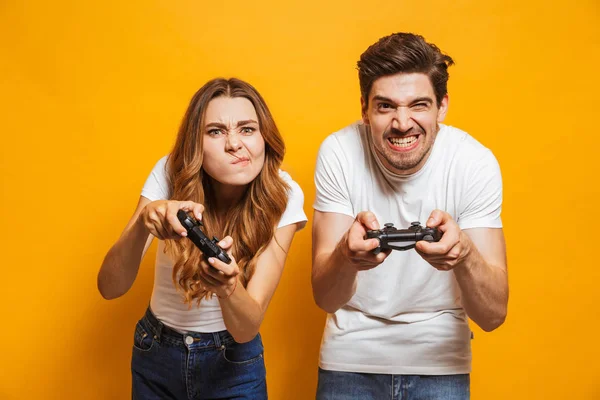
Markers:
(163, 332)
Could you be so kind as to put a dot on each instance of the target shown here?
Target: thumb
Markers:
(368, 219)
(435, 218)
(226, 243)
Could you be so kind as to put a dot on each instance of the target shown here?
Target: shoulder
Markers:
(295, 189)
(156, 186)
(344, 140)
(294, 212)
(161, 165)
(465, 149)
(342, 149)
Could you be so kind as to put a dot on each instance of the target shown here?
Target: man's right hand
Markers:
(357, 250)
(160, 217)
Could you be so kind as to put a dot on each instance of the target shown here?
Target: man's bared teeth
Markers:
(403, 142)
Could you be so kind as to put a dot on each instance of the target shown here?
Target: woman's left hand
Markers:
(218, 277)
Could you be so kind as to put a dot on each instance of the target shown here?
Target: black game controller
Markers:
(208, 247)
(389, 234)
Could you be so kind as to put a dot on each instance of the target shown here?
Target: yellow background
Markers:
(91, 95)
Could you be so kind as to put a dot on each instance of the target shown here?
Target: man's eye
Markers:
(384, 106)
(420, 106)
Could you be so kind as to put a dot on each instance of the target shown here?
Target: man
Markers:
(397, 324)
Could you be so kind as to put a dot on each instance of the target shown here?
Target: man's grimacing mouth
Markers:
(405, 141)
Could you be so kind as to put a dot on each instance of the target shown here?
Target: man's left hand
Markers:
(453, 247)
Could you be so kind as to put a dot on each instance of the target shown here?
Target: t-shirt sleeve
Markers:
(332, 193)
(156, 186)
(481, 202)
(294, 212)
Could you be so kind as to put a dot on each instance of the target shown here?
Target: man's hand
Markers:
(452, 248)
(356, 249)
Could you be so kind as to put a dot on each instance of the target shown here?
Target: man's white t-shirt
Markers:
(166, 302)
(406, 317)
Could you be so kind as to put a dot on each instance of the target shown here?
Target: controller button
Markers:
(389, 225)
(416, 223)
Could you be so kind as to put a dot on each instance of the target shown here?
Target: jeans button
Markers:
(189, 340)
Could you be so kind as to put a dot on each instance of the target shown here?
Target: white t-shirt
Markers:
(166, 302)
(406, 317)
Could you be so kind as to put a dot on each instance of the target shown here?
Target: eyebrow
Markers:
(240, 123)
(417, 100)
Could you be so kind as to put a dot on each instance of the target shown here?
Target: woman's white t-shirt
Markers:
(166, 302)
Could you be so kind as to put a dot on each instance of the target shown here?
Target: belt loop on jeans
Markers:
(155, 324)
(159, 327)
(217, 339)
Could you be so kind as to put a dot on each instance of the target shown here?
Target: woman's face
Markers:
(234, 148)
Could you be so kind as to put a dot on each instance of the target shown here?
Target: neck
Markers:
(226, 196)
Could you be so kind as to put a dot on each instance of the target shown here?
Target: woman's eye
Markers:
(214, 132)
(248, 130)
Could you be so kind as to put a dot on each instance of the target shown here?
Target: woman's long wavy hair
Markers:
(252, 221)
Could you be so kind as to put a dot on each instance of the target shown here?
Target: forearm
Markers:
(242, 314)
(333, 280)
(484, 290)
(120, 266)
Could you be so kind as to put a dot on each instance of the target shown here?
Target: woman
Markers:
(199, 337)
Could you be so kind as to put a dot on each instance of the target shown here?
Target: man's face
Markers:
(403, 117)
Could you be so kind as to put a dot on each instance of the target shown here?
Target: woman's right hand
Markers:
(160, 217)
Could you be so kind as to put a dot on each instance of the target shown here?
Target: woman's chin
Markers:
(237, 179)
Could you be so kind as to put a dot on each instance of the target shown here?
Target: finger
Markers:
(448, 241)
(433, 248)
(371, 260)
(195, 208)
(173, 221)
(152, 229)
(229, 270)
(368, 219)
(206, 283)
(162, 232)
(438, 262)
(155, 226)
(226, 243)
(358, 244)
(217, 277)
(210, 280)
(214, 273)
(366, 267)
(150, 222)
(367, 257)
(162, 228)
(437, 218)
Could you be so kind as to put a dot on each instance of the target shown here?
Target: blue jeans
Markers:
(169, 365)
(334, 385)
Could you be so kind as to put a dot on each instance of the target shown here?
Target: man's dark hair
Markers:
(404, 53)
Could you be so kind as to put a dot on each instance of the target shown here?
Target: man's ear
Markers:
(363, 107)
(443, 109)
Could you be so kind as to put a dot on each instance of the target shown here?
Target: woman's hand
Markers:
(160, 217)
(218, 277)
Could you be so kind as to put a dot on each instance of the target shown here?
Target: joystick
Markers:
(208, 247)
(389, 235)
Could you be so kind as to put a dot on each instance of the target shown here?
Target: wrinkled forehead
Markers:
(230, 111)
(402, 88)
